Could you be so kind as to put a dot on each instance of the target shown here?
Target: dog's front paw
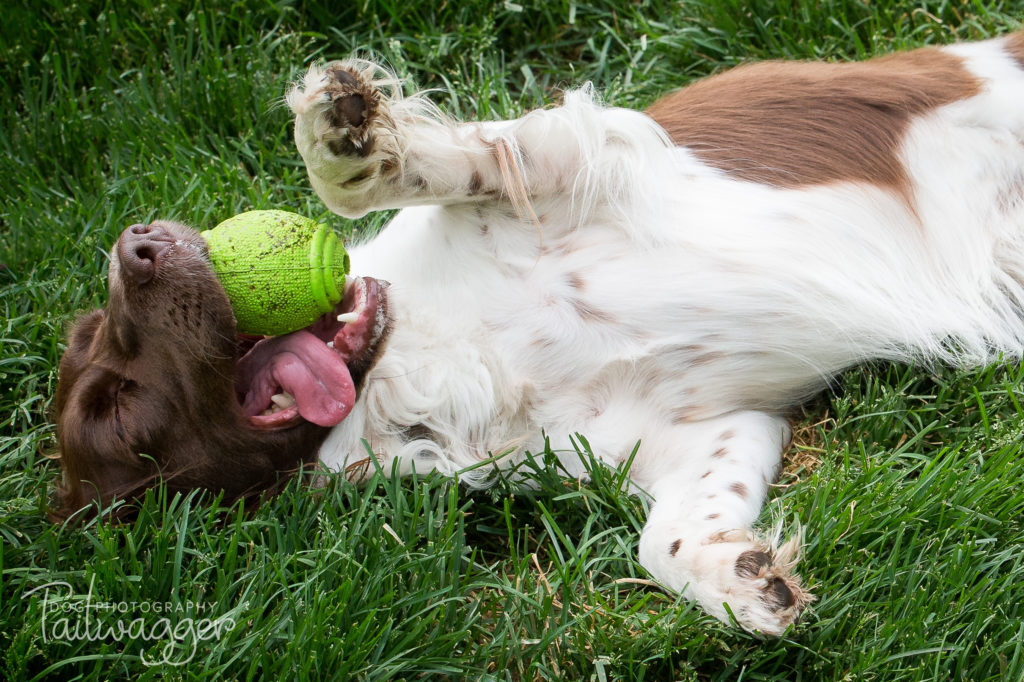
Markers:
(343, 131)
(354, 106)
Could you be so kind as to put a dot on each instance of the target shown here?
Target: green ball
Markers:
(281, 270)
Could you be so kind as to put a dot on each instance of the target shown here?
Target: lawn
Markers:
(908, 482)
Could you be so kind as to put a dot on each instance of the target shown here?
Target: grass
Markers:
(908, 483)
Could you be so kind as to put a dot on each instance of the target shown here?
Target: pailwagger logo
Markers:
(68, 618)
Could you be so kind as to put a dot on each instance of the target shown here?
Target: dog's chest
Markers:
(582, 315)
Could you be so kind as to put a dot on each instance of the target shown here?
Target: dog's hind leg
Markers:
(698, 538)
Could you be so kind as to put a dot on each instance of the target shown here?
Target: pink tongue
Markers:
(302, 365)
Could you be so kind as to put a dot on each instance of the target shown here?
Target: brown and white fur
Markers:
(677, 278)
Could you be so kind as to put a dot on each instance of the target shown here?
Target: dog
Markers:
(678, 277)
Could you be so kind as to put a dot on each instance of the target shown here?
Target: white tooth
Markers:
(348, 281)
(348, 318)
(330, 344)
(283, 400)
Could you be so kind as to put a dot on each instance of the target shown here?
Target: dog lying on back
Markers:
(678, 277)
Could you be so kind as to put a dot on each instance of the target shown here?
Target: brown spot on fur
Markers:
(682, 415)
(794, 124)
(739, 489)
(711, 517)
(752, 562)
(727, 435)
(575, 281)
(589, 313)
(719, 453)
(1015, 46)
(722, 536)
(674, 547)
(475, 183)
(706, 474)
(707, 358)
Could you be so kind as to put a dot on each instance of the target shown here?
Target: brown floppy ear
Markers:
(96, 492)
(96, 461)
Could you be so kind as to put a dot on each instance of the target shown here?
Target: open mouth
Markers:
(313, 373)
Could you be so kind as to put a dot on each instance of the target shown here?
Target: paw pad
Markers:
(778, 594)
(752, 562)
(354, 103)
(349, 111)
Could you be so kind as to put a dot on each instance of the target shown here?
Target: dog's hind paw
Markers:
(766, 597)
(732, 575)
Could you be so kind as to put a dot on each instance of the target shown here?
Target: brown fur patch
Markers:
(707, 358)
(739, 489)
(794, 124)
(719, 453)
(674, 547)
(685, 414)
(1015, 46)
(589, 313)
(723, 536)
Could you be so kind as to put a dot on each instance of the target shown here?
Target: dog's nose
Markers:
(139, 248)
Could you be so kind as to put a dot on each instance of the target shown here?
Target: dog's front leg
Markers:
(698, 537)
(367, 148)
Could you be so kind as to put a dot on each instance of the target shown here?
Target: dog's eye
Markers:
(123, 391)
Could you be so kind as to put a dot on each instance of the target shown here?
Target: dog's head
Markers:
(159, 386)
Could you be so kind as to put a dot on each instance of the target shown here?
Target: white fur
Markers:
(612, 285)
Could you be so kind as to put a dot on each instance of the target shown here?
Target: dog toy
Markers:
(281, 270)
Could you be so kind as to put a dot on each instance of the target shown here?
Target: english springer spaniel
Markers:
(677, 277)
